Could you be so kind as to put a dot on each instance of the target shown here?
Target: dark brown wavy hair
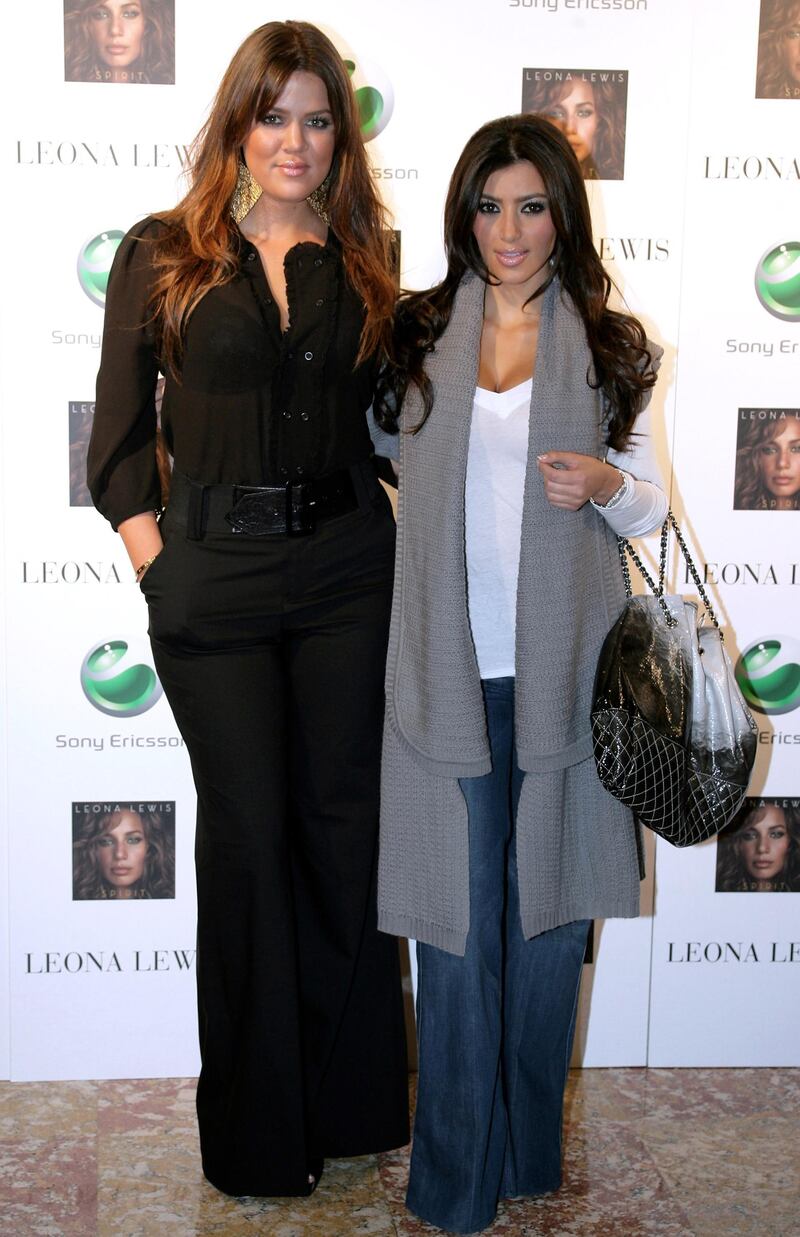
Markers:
(622, 363)
(607, 160)
(777, 18)
(158, 879)
(200, 249)
(732, 874)
(749, 492)
(157, 62)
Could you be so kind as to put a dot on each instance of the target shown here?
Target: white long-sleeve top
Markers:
(496, 465)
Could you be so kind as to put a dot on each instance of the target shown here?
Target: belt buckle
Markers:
(252, 509)
(300, 520)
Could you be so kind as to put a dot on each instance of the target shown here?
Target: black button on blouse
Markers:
(230, 416)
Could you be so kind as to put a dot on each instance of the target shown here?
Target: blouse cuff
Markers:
(640, 511)
(387, 445)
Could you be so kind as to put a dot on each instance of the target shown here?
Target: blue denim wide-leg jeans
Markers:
(495, 1027)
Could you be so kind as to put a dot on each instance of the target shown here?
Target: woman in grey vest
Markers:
(524, 449)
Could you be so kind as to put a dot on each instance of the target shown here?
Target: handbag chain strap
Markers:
(625, 548)
(671, 522)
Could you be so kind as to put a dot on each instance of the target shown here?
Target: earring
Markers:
(318, 199)
(246, 193)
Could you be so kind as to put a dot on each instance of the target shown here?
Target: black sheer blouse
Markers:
(253, 406)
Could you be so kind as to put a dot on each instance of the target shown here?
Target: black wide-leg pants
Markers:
(271, 652)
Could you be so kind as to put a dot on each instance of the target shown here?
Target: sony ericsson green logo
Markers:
(768, 673)
(778, 281)
(118, 678)
(94, 264)
(374, 96)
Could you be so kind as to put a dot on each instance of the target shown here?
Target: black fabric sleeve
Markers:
(121, 469)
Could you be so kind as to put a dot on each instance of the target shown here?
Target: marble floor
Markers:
(712, 1153)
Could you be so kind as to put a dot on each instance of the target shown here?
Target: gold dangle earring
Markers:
(318, 199)
(246, 193)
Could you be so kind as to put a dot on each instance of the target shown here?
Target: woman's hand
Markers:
(570, 479)
(143, 542)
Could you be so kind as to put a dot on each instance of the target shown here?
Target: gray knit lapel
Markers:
(436, 693)
(453, 365)
(558, 411)
(565, 416)
(560, 397)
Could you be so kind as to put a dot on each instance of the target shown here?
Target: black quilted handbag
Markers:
(673, 737)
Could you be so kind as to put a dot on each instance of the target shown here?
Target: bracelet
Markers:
(147, 563)
(618, 495)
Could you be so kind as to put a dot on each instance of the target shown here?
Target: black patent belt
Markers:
(291, 510)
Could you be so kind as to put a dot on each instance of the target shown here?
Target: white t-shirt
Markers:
(495, 487)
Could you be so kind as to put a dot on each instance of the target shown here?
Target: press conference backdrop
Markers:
(692, 172)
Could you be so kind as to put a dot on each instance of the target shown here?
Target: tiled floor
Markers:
(672, 1153)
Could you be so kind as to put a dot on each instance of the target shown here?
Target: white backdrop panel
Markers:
(681, 235)
(724, 966)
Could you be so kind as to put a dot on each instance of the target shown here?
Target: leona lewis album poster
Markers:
(120, 44)
(767, 476)
(759, 851)
(778, 69)
(123, 850)
(589, 106)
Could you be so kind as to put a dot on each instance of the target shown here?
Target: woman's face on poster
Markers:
(779, 462)
(790, 50)
(576, 116)
(122, 850)
(117, 31)
(764, 845)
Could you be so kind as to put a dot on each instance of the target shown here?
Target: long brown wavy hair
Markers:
(732, 874)
(157, 61)
(158, 878)
(778, 18)
(622, 363)
(200, 249)
(749, 492)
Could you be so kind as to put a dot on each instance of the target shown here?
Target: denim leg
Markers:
(496, 1026)
(541, 998)
(460, 1131)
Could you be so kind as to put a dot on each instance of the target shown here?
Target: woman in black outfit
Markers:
(268, 583)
